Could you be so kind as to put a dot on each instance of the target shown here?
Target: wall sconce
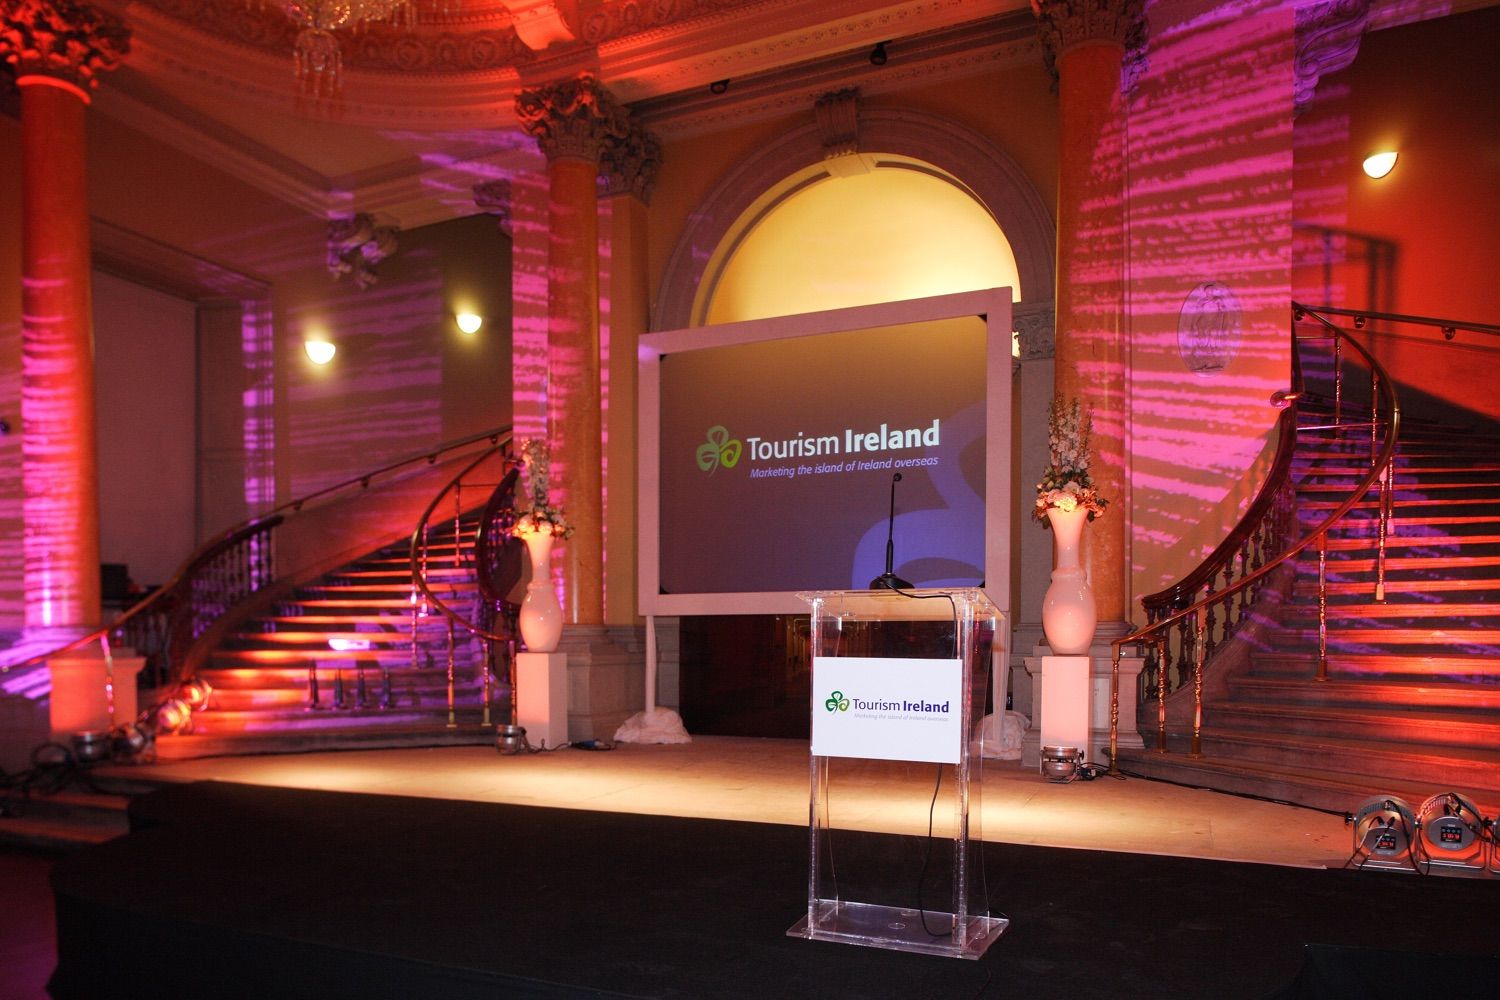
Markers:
(468, 322)
(1378, 165)
(320, 351)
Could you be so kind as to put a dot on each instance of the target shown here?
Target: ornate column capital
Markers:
(1062, 24)
(1036, 323)
(62, 39)
(356, 244)
(1328, 36)
(629, 164)
(572, 119)
(494, 198)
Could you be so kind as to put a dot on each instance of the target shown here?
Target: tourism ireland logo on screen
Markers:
(837, 702)
(719, 449)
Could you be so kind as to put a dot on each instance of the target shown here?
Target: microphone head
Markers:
(896, 478)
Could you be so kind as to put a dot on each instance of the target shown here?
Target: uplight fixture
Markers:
(1377, 165)
(320, 351)
(469, 322)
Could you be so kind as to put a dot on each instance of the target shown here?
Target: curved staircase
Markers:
(337, 665)
(1409, 702)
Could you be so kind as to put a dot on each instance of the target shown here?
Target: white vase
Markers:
(1068, 613)
(541, 614)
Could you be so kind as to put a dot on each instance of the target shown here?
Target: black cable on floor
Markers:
(1345, 816)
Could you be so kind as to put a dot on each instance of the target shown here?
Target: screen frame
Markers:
(991, 305)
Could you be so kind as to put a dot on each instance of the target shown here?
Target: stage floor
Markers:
(766, 781)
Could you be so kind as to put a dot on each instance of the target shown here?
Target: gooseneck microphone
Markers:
(889, 580)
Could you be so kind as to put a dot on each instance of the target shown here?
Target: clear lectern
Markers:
(899, 683)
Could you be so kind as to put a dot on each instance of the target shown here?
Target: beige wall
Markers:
(405, 379)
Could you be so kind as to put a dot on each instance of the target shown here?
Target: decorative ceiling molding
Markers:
(937, 57)
(189, 132)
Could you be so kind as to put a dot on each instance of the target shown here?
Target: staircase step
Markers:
(64, 819)
(278, 678)
(1298, 777)
(1452, 618)
(1450, 666)
(1412, 589)
(468, 732)
(430, 712)
(327, 659)
(1338, 691)
(1431, 727)
(1474, 640)
(1399, 563)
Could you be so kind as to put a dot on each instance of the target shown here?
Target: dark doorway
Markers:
(746, 675)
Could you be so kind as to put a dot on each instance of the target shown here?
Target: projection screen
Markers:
(769, 449)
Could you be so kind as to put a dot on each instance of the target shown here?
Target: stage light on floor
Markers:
(196, 693)
(1060, 763)
(174, 716)
(1450, 832)
(1384, 828)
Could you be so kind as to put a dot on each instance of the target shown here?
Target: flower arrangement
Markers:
(538, 517)
(1066, 483)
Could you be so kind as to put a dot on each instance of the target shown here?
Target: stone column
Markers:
(1085, 44)
(58, 48)
(628, 169)
(571, 121)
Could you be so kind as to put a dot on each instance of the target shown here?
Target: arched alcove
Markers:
(890, 140)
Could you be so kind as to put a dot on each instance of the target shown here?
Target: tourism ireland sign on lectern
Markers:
(899, 682)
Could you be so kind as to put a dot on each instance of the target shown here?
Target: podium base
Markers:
(897, 928)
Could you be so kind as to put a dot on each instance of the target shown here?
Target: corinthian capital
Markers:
(572, 119)
(1062, 24)
(62, 39)
(628, 165)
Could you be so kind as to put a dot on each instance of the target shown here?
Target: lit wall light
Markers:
(469, 322)
(1380, 164)
(320, 351)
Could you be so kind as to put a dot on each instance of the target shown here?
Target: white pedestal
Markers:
(542, 697)
(1067, 697)
(79, 702)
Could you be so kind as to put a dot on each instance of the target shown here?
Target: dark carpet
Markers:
(236, 891)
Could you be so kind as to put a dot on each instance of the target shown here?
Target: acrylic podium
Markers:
(898, 691)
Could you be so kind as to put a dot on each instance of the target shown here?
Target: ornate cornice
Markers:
(378, 47)
(572, 119)
(356, 244)
(494, 198)
(1328, 36)
(612, 20)
(1062, 24)
(629, 164)
(837, 115)
(63, 39)
(1036, 323)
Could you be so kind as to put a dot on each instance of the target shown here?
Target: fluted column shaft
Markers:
(1085, 43)
(573, 383)
(572, 121)
(58, 48)
(59, 464)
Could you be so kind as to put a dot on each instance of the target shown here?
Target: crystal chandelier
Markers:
(319, 65)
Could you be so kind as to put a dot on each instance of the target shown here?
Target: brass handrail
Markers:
(180, 587)
(429, 599)
(1157, 633)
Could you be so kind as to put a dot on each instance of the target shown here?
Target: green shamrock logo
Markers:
(719, 449)
(837, 702)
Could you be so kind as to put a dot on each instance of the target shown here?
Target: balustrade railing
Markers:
(491, 617)
(228, 571)
(1187, 622)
